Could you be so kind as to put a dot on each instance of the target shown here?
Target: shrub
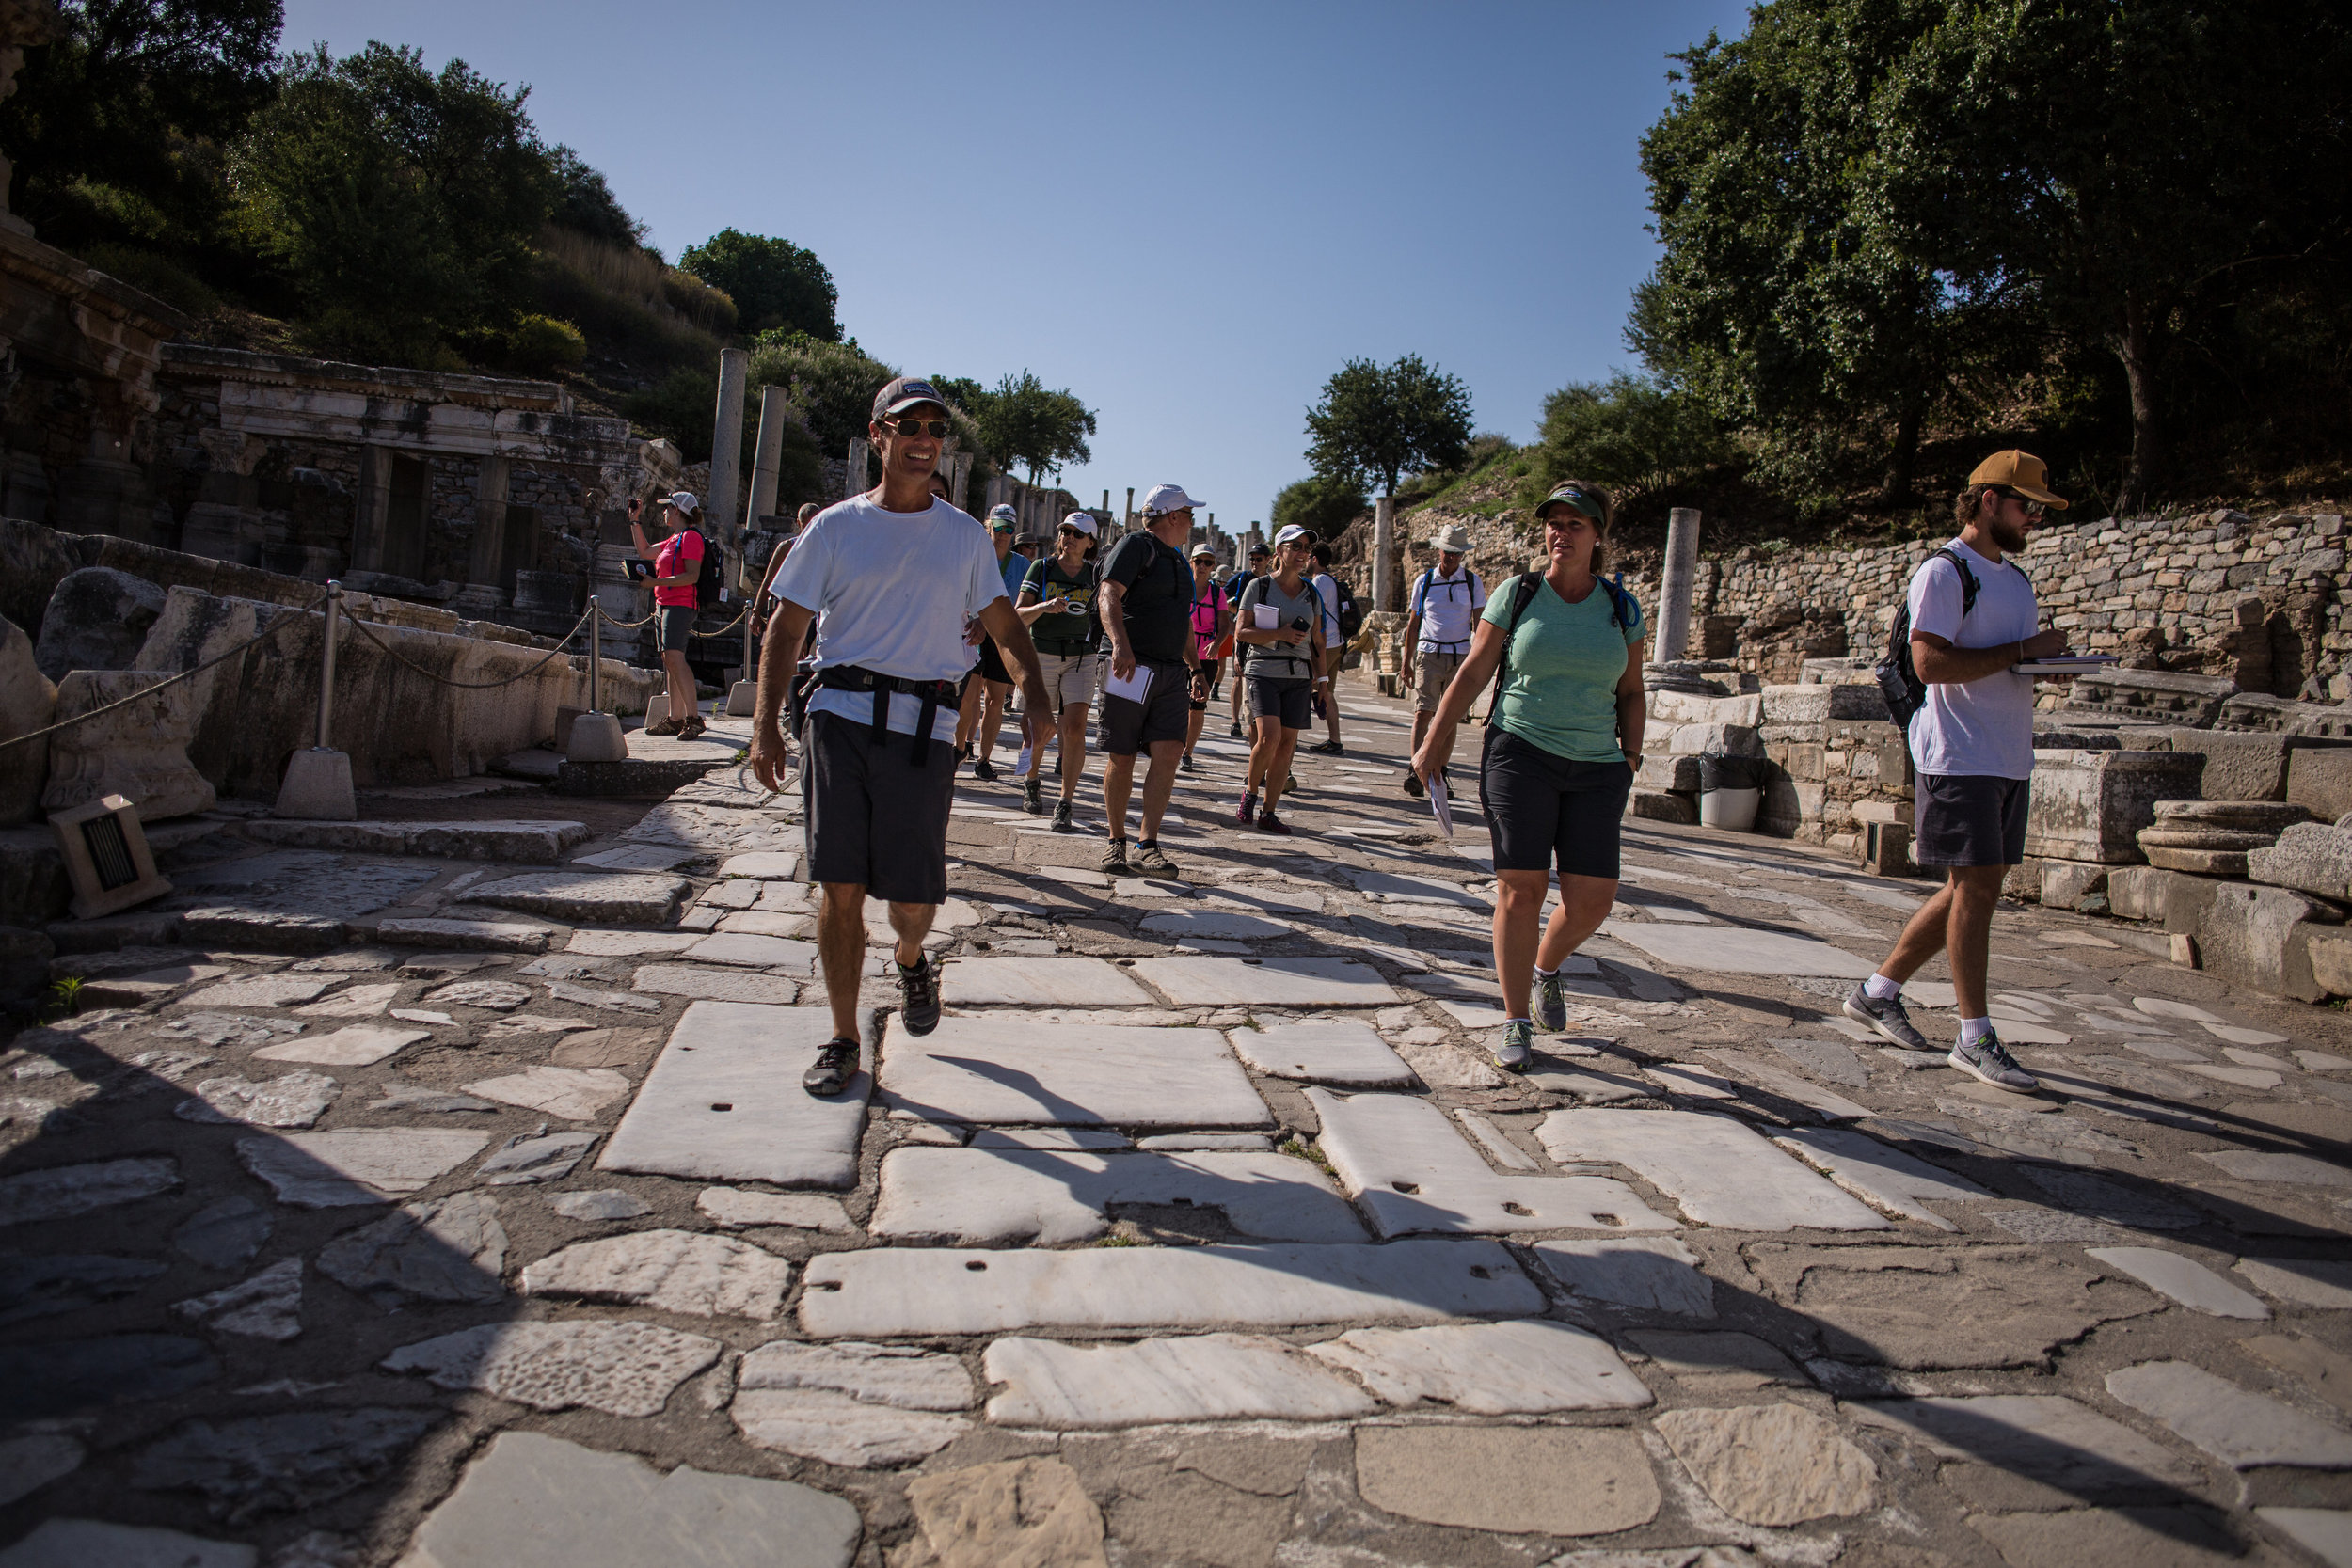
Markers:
(542, 343)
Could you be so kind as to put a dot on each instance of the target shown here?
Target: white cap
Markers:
(1164, 498)
(684, 501)
(1292, 534)
(1082, 521)
(1204, 547)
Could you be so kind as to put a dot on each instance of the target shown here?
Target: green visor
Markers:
(1575, 495)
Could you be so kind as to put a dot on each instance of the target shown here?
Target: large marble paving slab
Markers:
(900, 1291)
(1886, 1178)
(2045, 1436)
(1010, 1071)
(1738, 950)
(1716, 1169)
(1343, 1052)
(1036, 982)
(1191, 982)
(975, 1197)
(1208, 1377)
(724, 1102)
(1411, 1170)
(1530, 1366)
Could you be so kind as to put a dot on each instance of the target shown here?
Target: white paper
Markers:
(1440, 806)
(1266, 616)
(1133, 687)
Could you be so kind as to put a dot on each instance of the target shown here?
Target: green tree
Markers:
(1378, 422)
(1325, 505)
(401, 204)
(2139, 167)
(777, 286)
(1784, 299)
(585, 204)
(116, 125)
(1628, 433)
(1024, 423)
(832, 386)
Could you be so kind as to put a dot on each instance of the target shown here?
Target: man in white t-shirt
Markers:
(891, 579)
(1972, 619)
(1441, 614)
(1334, 647)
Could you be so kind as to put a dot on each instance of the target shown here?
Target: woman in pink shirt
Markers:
(677, 564)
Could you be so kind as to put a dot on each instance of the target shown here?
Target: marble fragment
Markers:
(1344, 1052)
(283, 1463)
(1030, 1510)
(737, 1209)
(42, 1285)
(1883, 1177)
(1717, 1170)
(851, 1404)
(2305, 1281)
(2185, 1279)
(367, 1164)
(2238, 1427)
(1529, 1367)
(603, 1203)
(1009, 1069)
(1772, 1464)
(498, 996)
(1267, 982)
(224, 1234)
(621, 1368)
(970, 1196)
(724, 1103)
(1652, 1273)
(357, 1046)
(445, 1249)
(292, 1100)
(532, 1157)
(702, 983)
(572, 1094)
(267, 1306)
(1518, 1480)
(2048, 1437)
(1196, 1378)
(259, 991)
(677, 1270)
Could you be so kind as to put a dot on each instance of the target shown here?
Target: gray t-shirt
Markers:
(892, 592)
(1277, 661)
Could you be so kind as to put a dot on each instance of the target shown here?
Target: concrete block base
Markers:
(2261, 937)
(317, 787)
(597, 737)
(740, 698)
(1658, 805)
(2074, 885)
(656, 709)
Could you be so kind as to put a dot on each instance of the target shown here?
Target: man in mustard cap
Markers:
(1968, 620)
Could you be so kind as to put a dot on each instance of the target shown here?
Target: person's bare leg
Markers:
(1279, 750)
(1519, 911)
(1118, 780)
(991, 718)
(1584, 903)
(1265, 734)
(968, 714)
(1158, 785)
(1923, 938)
(841, 952)
(1192, 729)
(911, 923)
(680, 687)
(1968, 940)
(1331, 692)
(1073, 749)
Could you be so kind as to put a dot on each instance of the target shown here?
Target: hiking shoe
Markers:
(918, 997)
(1114, 859)
(1329, 749)
(692, 729)
(1235, 730)
(836, 1061)
(984, 770)
(1033, 798)
(1269, 823)
(1889, 1017)
(1413, 785)
(1246, 814)
(1184, 764)
(1985, 1057)
(1149, 860)
(1062, 818)
(1551, 1009)
(667, 726)
(1513, 1052)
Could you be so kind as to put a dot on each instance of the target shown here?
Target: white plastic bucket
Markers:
(1732, 809)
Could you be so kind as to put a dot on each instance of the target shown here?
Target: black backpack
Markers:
(710, 583)
(1899, 680)
(1351, 614)
(1524, 590)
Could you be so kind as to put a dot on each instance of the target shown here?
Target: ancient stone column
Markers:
(858, 475)
(1674, 587)
(726, 500)
(487, 565)
(1383, 535)
(767, 456)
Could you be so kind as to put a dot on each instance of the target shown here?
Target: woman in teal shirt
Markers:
(1554, 774)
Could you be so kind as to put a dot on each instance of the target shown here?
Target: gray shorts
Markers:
(1289, 701)
(1964, 819)
(676, 623)
(874, 818)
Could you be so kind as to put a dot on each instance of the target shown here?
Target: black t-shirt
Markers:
(1159, 605)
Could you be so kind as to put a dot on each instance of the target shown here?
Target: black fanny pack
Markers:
(934, 695)
(1065, 647)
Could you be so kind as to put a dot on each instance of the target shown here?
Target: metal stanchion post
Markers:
(317, 785)
(595, 735)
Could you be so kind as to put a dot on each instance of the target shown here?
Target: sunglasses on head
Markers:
(935, 429)
(2031, 507)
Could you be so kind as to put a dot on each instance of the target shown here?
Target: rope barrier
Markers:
(632, 625)
(723, 630)
(284, 619)
(555, 653)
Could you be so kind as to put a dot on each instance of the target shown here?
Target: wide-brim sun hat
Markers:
(1453, 541)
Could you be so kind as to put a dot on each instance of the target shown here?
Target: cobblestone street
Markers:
(438, 1190)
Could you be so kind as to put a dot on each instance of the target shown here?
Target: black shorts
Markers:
(992, 663)
(1290, 699)
(1968, 819)
(874, 818)
(1130, 726)
(1542, 808)
(1208, 679)
(674, 623)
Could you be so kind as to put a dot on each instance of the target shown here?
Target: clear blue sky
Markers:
(1190, 216)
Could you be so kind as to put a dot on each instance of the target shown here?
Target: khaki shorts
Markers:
(1433, 671)
(1070, 678)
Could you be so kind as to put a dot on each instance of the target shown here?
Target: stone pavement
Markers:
(444, 1195)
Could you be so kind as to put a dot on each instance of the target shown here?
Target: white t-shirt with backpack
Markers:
(1448, 608)
(1985, 726)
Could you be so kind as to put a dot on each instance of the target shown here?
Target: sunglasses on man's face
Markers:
(2026, 504)
(935, 429)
